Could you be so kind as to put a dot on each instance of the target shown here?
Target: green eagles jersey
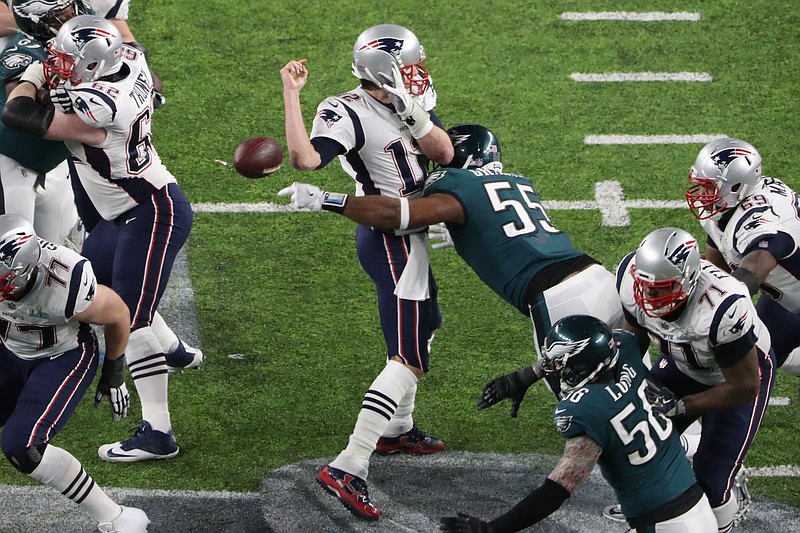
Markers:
(30, 151)
(642, 459)
(506, 237)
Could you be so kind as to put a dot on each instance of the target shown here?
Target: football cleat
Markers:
(614, 513)
(742, 496)
(351, 491)
(413, 441)
(184, 357)
(130, 520)
(145, 443)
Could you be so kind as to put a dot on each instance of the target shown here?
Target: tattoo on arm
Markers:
(580, 456)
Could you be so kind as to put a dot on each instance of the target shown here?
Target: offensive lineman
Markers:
(753, 227)
(715, 361)
(110, 88)
(48, 359)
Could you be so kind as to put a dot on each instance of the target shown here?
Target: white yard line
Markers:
(701, 138)
(617, 77)
(628, 16)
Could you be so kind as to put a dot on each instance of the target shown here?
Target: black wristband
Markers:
(334, 201)
(114, 371)
(536, 506)
(748, 278)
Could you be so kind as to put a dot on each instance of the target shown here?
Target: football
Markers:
(258, 157)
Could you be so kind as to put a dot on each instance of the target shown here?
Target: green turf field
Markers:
(286, 290)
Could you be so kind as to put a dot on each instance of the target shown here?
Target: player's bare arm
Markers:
(579, 458)
(715, 256)
(640, 333)
(741, 385)
(31, 115)
(301, 152)
(754, 269)
(384, 212)
(108, 310)
(437, 146)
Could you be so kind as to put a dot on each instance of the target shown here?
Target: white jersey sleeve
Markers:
(111, 9)
(42, 323)
(334, 122)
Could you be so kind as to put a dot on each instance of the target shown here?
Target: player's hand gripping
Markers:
(464, 523)
(304, 195)
(60, 99)
(439, 232)
(664, 401)
(112, 384)
(513, 385)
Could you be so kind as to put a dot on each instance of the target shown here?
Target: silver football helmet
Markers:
(85, 49)
(666, 269)
(41, 19)
(380, 47)
(19, 254)
(725, 172)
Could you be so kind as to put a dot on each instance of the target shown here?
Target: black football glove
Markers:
(513, 385)
(664, 401)
(464, 523)
(112, 384)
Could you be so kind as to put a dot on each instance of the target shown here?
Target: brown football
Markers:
(258, 157)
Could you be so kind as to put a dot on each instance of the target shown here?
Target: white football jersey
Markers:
(110, 9)
(771, 209)
(39, 325)
(125, 169)
(382, 156)
(718, 312)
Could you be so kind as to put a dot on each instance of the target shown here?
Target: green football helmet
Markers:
(579, 347)
(41, 19)
(476, 147)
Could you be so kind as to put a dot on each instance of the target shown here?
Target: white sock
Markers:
(402, 420)
(690, 439)
(725, 513)
(379, 406)
(792, 363)
(59, 469)
(149, 371)
(166, 337)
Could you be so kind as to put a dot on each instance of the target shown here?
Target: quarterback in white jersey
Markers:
(48, 358)
(753, 228)
(384, 134)
(108, 134)
(715, 360)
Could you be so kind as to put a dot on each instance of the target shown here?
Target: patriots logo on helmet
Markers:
(725, 157)
(10, 249)
(681, 253)
(16, 61)
(390, 45)
(330, 117)
(82, 36)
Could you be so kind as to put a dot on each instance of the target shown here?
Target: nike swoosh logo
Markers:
(130, 220)
(732, 314)
(559, 411)
(112, 453)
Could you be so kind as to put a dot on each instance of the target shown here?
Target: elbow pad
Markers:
(748, 278)
(28, 116)
(138, 46)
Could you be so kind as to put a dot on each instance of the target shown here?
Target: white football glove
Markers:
(439, 232)
(34, 74)
(112, 384)
(418, 120)
(61, 99)
(304, 196)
